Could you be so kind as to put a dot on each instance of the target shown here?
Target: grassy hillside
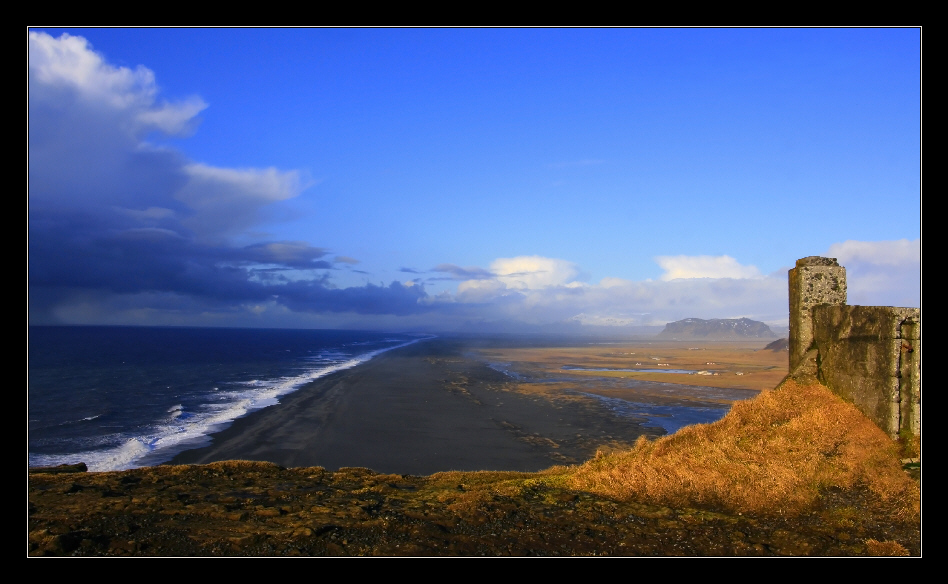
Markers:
(774, 454)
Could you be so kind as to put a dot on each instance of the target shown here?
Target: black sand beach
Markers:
(418, 410)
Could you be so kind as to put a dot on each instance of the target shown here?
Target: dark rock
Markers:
(62, 468)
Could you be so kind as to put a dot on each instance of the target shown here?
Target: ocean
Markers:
(124, 397)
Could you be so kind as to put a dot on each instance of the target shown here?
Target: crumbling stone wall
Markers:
(869, 355)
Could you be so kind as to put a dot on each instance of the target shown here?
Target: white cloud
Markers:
(88, 121)
(881, 273)
(68, 64)
(677, 267)
(208, 185)
(533, 272)
(227, 200)
(608, 282)
(480, 290)
(879, 253)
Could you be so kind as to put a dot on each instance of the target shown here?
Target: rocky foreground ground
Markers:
(261, 509)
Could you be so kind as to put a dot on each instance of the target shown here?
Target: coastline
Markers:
(419, 409)
(435, 402)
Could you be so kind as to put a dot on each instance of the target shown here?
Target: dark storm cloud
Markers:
(67, 255)
(396, 298)
(112, 216)
(296, 254)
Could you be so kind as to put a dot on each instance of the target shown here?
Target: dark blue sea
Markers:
(124, 397)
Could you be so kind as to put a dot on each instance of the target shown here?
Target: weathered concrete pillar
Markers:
(816, 280)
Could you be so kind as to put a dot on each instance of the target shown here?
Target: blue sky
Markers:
(454, 179)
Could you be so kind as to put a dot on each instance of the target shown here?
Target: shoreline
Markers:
(419, 409)
(437, 401)
(242, 508)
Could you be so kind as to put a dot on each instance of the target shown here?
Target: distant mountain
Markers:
(716, 328)
(779, 345)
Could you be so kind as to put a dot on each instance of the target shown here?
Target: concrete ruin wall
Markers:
(868, 355)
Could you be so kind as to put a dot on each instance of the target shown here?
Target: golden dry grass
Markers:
(769, 455)
(885, 548)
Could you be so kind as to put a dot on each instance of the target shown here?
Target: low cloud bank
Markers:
(540, 291)
(537, 291)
